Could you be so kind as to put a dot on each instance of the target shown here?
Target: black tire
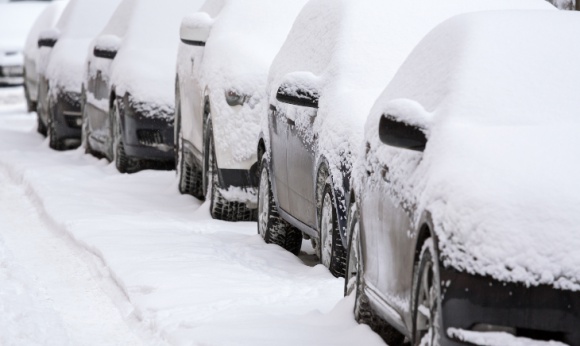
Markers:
(221, 208)
(190, 173)
(123, 163)
(363, 312)
(85, 132)
(30, 105)
(40, 126)
(54, 141)
(426, 285)
(272, 228)
(330, 249)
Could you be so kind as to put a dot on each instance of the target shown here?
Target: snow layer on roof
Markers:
(80, 22)
(500, 171)
(245, 37)
(47, 19)
(16, 19)
(145, 63)
(354, 48)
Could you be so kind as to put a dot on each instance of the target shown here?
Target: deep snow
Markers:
(173, 274)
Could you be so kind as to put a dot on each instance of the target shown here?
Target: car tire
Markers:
(221, 208)
(123, 163)
(85, 143)
(190, 174)
(427, 297)
(40, 126)
(330, 249)
(271, 227)
(54, 142)
(354, 283)
(30, 105)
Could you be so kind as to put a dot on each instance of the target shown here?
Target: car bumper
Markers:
(12, 75)
(472, 302)
(68, 117)
(148, 138)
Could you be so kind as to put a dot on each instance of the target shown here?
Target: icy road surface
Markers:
(89, 256)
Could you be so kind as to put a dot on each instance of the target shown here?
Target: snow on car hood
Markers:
(499, 173)
(66, 65)
(244, 39)
(354, 48)
(16, 19)
(145, 63)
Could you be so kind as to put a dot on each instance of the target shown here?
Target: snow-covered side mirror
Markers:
(195, 29)
(48, 38)
(299, 88)
(404, 124)
(106, 46)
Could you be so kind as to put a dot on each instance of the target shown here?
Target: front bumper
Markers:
(147, 137)
(11, 74)
(540, 312)
(68, 116)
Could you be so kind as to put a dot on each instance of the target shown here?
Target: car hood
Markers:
(66, 64)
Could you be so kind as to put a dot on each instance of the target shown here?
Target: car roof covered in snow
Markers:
(16, 19)
(47, 19)
(495, 92)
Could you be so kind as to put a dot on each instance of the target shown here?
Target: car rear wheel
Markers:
(124, 163)
(272, 228)
(427, 298)
(330, 248)
(190, 174)
(54, 141)
(221, 208)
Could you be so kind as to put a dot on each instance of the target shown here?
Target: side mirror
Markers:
(399, 134)
(299, 88)
(195, 29)
(48, 38)
(106, 46)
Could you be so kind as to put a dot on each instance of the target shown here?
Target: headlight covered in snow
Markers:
(234, 98)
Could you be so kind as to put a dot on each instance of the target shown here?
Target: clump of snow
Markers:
(354, 48)
(496, 339)
(498, 175)
(242, 195)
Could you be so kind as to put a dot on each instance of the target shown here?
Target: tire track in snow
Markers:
(88, 313)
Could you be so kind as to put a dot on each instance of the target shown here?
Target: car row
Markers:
(447, 200)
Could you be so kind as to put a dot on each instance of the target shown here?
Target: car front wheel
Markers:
(331, 252)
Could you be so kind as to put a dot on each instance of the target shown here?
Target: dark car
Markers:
(465, 212)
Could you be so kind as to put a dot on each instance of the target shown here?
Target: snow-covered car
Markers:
(62, 53)
(129, 109)
(222, 70)
(46, 20)
(16, 19)
(465, 219)
(336, 61)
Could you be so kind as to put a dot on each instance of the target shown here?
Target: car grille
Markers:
(149, 137)
(12, 71)
(73, 120)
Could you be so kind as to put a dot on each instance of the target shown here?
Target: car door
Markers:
(278, 131)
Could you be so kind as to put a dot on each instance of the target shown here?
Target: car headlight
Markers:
(234, 98)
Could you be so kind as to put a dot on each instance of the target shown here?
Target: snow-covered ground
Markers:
(89, 256)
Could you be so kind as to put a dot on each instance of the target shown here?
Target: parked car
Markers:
(62, 53)
(465, 215)
(46, 20)
(16, 19)
(129, 109)
(322, 85)
(222, 71)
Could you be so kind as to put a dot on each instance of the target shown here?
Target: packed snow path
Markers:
(129, 257)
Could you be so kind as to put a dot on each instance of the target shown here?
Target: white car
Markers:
(129, 109)
(467, 190)
(16, 20)
(61, 59)
(322, 85)
(47, 19)
(222, 70)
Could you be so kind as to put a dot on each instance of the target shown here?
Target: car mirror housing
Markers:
(48, 38)
(195, 29)
(106, 46)
(397, 133)
(300, 89)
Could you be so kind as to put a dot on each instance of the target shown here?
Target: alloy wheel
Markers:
(326, 229)
(263, 203)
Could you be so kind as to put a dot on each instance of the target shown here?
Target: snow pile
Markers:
(354, 48)
(26, 317)
(496, 339)
(80, 22)
(498, 175)
(145, 63)
(16, 20)
(244, 39)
